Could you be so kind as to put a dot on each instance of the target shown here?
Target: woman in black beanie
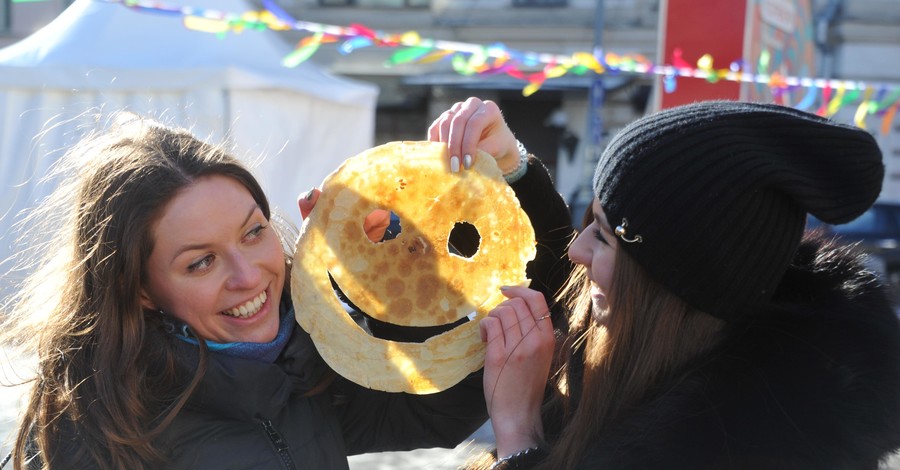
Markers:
(704, 329)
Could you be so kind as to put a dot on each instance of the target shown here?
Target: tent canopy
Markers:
(96, 45)
(292, 125)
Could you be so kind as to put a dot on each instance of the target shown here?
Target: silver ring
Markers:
(542, 318)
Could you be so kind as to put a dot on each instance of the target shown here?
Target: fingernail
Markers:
(467, 161)
(454, 164)
(504, 287)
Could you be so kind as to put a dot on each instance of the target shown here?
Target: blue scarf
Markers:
(263, 352)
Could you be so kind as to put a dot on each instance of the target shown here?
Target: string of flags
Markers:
(823, 96)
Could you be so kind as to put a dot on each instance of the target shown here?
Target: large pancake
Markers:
(413, 279)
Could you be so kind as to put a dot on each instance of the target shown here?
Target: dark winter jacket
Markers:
(248, 414)
(810, 382)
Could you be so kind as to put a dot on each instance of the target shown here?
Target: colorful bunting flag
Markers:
(536, 68)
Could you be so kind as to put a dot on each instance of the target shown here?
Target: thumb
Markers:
(307, 201)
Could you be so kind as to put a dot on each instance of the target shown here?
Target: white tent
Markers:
(294, 125)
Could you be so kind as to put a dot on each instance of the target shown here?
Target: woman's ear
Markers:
(146, 302)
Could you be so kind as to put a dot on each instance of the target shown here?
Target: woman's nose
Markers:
(244, 273)
(578, 252)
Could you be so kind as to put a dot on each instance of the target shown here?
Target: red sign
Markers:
(763, 36)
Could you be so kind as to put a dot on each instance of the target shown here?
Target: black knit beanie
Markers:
(711, 198)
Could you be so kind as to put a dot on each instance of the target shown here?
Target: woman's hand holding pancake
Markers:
(471, 125)
(520, 344)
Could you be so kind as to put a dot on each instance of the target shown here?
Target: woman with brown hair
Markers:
(165, 334)
(705, 329)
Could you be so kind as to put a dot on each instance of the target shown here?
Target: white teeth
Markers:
(248, 309)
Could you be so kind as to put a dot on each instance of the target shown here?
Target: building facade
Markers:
(563, 122)
(855, 40)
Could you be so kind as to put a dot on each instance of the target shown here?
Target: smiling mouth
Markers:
(249, 308)
(389, 331)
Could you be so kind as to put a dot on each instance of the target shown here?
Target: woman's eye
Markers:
(201, 264)
(599, 236)
(256, 231)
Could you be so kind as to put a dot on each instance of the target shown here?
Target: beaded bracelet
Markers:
(522, 459)
(519, 171)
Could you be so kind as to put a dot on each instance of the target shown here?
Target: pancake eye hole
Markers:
(382, 225)
(464, 240)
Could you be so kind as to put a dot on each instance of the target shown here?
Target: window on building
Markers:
(377, 3)
(540, 3)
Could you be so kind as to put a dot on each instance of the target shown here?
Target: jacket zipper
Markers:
(281, 447)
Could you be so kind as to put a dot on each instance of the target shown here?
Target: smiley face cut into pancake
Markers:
(416, 279)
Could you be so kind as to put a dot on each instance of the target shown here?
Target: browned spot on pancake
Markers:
(400, 308)
(381, 267)
(395, 287)
(349, 232)
(426, 287)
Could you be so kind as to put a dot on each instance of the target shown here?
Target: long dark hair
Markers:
(106, 371)
(604, 371)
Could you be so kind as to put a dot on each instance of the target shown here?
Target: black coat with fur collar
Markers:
(811, 382)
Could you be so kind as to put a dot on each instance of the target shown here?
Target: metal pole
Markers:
(594, 138)
(595, 105)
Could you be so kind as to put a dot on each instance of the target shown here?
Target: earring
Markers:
(620, 232)
(167, 324)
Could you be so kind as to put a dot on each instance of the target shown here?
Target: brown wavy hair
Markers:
(107, 382)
